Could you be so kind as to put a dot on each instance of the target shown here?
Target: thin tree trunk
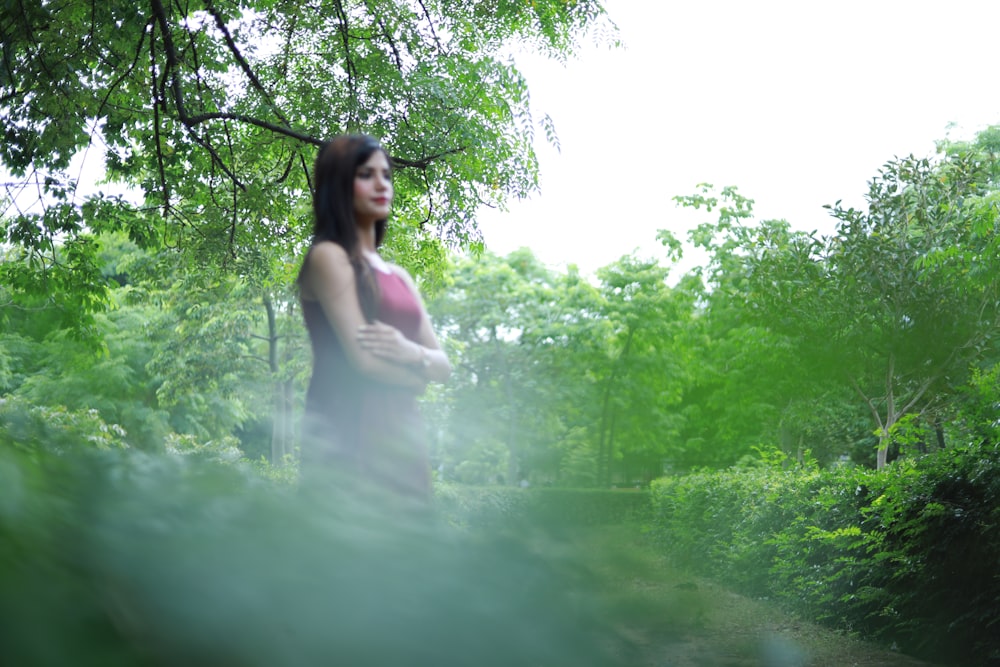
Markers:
(601, 443)
(513, 446)
(611, 448)
(890, 415)
(606, 442)
(279, 414)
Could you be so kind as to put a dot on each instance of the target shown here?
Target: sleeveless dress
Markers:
(358, 428)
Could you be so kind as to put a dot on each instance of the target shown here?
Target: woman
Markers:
(373, 347)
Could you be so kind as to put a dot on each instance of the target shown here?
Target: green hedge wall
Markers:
(910, 554)
(569, 508)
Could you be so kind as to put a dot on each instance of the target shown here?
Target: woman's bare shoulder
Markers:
(327, 251)
(326, 265)
(328, 258)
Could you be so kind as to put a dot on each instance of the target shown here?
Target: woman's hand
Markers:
(389, 343)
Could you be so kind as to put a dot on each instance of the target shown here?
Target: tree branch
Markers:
(191, 121)
(352, 72)
(242, 62)
(128, 71)
(157, 103)
(233, 221)
(869, 402)
(921, 390)
(430, 201)
(173, 68)
(286, 172)
(380, 20)
(392, 44)
(198, 119)
(430, 24)
(425, 162)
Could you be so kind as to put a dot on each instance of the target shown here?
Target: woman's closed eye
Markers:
(368, 173)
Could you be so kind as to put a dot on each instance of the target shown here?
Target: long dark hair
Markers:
(333, 207)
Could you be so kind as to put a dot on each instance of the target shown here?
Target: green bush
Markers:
(935, 547)
(910, 554)
(32, 427)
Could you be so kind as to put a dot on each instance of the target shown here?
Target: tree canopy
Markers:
(900, 306)
(213, 110)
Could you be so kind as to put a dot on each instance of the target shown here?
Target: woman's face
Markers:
(373, 189)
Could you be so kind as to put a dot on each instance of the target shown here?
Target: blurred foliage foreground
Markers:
(118, 557)
(112, 556)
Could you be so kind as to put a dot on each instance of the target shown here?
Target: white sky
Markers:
(796, 103)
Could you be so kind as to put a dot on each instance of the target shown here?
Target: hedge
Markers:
(910, 554)
(568, 508)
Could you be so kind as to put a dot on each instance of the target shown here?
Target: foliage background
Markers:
(161, 326)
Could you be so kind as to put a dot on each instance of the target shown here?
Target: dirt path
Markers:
(674, 620)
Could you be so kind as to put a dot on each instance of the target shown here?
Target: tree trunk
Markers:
(892, 412)
(890, 415)
(881, 457)
(606, 442)
(513, 446)
(611, 448)
(601, 444)
(280, 406)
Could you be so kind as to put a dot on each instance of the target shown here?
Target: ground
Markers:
(672, 619)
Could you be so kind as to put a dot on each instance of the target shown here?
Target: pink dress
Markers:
(355, 426)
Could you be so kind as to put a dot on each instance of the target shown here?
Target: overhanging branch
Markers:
(191, 121)
(242, 62)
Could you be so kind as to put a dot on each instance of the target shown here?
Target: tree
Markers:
(751, 381)
(183, 357)
(917, 275)
(641, 374)
(900, 304)
(213, 110)
(578, 384)
(210, 113)
(498, 402)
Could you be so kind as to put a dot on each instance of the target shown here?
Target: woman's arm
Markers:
(425, 354)
(329, 279)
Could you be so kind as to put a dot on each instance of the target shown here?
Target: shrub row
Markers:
(910, 554)
(492, 506)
